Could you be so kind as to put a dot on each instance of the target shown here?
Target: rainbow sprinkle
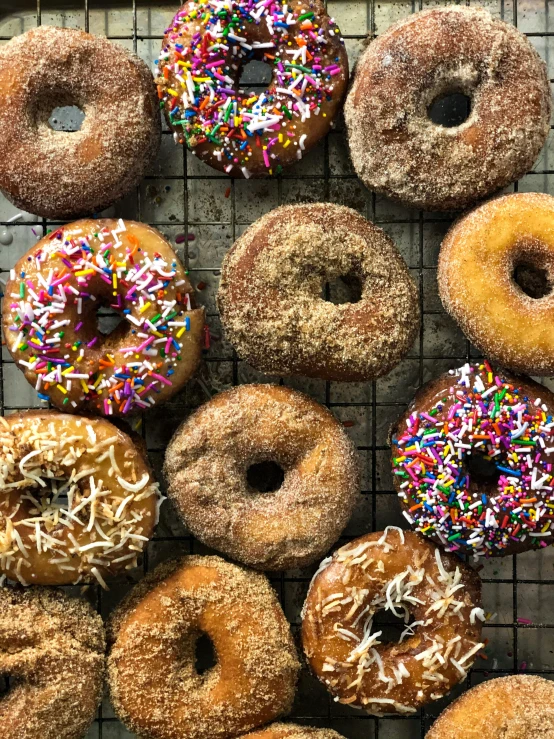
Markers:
(481, 413)
(208, 44)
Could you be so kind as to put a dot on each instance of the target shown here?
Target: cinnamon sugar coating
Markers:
(292, 731)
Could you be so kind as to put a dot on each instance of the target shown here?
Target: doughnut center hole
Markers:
(205, 657)
(67, 118)
(6, 683)
(392, 626)
(482, 471)
(265, 477)
(532, 280)
(450, 109)
(342, 289)
(107, 319)
(255, 73)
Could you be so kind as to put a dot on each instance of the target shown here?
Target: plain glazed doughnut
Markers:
(52, 649)
(292, 731)
(50, 318)
(207, 466)
(513, 707)
(60, 174)
(248, 133)
(79, 501)
(397, 149)
(472, 462)
(271, 304)
(399, 572)
(480, 259)
(155, 688)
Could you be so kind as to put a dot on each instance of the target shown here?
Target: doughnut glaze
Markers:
(399, 151)
(62, 174)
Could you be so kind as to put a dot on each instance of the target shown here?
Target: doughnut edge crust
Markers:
(292, 731)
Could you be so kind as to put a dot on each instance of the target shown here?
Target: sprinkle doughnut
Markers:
(62, 174)
(52, 649)
(472, 462)
(50, 318)
(513, 707)
(401, 573)
(240, 132)
(292, 731)
(293, 523)
(78, 499)
(398, 150)
(271, 304)
(154, 685)
(485, 261)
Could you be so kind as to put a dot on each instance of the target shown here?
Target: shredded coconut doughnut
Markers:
(270, 295)
(78, 499)
(155, 687)
(52, 649)
(207, 463)
(399, 572)
(513, 707)
(58, 174)
(293, 731)
(481, 257)
(396, 148)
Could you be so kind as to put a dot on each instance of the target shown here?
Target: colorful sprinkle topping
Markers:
(485, 416)
(208, 45)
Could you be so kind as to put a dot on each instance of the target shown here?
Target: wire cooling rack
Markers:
(202, 212)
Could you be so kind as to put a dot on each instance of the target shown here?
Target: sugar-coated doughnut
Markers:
(292, 731)
(485, 261)
(62, 174)
(271, 303)
(50, 318)
(208, 461)
(513, 707)
(155, 687)
(472, 462)
(79, 501)
(248, 133)
(395, 146)
(403, 574)
(52, 649)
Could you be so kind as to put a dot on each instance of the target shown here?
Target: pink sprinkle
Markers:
(93, 342)
(145, 344)
(526, 621)
(161, 379)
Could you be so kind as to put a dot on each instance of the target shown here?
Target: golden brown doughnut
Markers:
(63, 174)
(398, 150)
(400, 572)
(50, 324)
(154, 685)
(52, 649)
(513, 707)
(479, 262)
(208, 463)
(292, 731)
(79, 501)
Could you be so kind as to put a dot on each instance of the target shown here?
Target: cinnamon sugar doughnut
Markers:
(293, 731)
(271, 304)
(79, 501)
(154, 685)
(58, 174)
(211, 457)
(513, 707)
(483, 254)
(402, 573)
(52, 649)
(398, 150)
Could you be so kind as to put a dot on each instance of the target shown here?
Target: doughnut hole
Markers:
(57, 110)
(532, 269)
(255, 73)
(205, 656)
(108, 320)
(483, 473)
(393, 626)
(265, 477)
(450, 109)
(6, 684)
(533, 280)
(342, 289)
(68, 118)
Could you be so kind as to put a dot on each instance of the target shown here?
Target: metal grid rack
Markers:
(202, 212)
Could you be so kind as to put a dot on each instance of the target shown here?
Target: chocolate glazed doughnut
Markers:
(397, 150)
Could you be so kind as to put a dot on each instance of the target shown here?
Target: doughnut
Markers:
(399, 151)
(292, 731)
(472, 462)
(403, 574)
(513, 707)
(63, 174)
(50, 318)
(238, 433)
(155, 687)
(52, 649)
(79, 501)
(271, 304)
(487, 263)
(251, 133)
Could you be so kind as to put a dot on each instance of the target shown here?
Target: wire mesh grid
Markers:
(202, 212)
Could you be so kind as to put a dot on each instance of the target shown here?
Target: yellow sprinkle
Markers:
(287, 142)
(145, 307)
(84, 386)
(79, 358)
(180, 332)
(172, 92)
(83, 272)
(98, 381)
(61, 389)
(280, 137)
(68, 370)
(114, 279)
(545, 527)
